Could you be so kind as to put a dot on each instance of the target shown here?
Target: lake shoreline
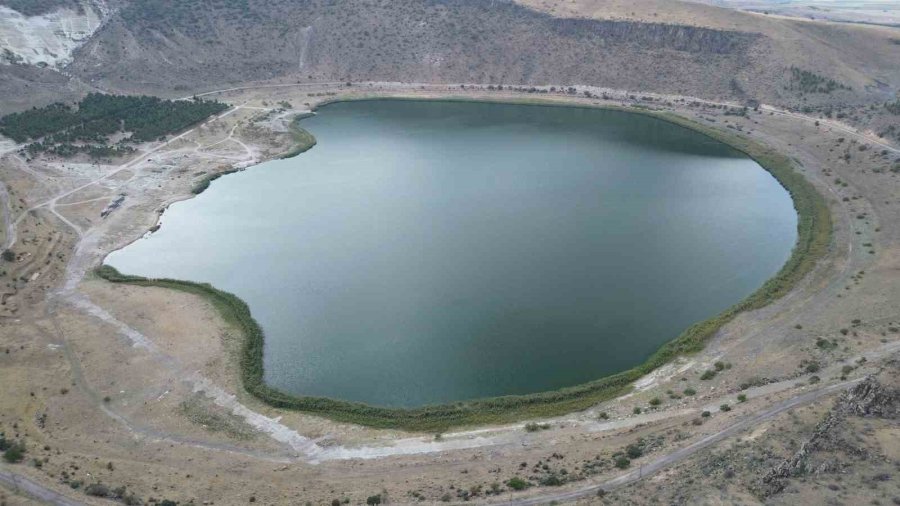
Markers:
(814, 231)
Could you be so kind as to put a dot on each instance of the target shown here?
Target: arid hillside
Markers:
(174, 47)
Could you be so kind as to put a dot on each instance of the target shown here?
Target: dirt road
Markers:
(22, 485)
(650, 468)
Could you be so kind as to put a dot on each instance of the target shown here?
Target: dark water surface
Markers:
(426, 252)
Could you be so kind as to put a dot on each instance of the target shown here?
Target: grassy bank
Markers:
(302, 141)
(814, 235)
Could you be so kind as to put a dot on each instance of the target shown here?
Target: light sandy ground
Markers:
(146, 379)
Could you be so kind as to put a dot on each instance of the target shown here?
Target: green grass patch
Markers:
(813, 239)
(303, 140)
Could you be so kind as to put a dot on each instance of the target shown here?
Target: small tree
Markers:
(15, 453)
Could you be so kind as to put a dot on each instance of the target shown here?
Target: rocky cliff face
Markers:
(47, 36)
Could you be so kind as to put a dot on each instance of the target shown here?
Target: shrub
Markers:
(825, 344)
(725, 407)
(742, 398)
(534, 427)
(690, 391)
(8, 255)
(812, 367)
(517, 483)
(14, 453)
(655, 401)
(705, 414)
(636, 410)
(551, 480)
(97, 490)
(132, 500)
(708, 375)
(373, 499)
(603, 416)
(622, 462)
(634, 451)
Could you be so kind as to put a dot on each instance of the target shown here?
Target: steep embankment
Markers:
(164, 44)
(669, 47)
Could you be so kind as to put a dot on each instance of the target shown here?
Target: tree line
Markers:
(65, 129)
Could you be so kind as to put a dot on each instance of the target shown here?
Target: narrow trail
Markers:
(21, 485)
(9, 227)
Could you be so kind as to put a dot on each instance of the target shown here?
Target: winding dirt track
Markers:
(22, 485)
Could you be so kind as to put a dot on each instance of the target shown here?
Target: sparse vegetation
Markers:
(805, 81)
(893, 107)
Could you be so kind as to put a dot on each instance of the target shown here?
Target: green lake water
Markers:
(429, 252)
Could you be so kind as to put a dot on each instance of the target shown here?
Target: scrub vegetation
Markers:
(804, 81)
(813, 239)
